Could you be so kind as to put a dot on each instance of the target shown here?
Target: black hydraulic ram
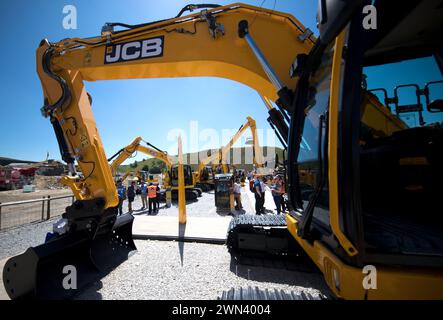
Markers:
(277, 122)
(285, 95)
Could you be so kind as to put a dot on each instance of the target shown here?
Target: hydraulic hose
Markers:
(65, 98)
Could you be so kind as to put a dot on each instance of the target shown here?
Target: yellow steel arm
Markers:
(178, 47)
(220, 156)
(163, 156)
(124, 154)
(134, 146)
(257, 151)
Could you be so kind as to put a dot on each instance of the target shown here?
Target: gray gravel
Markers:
(172, 270)
(16, 240)
(176, 270)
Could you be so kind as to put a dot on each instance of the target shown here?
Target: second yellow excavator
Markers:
(170, 179)
(203, 174)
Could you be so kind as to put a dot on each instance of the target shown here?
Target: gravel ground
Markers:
(16, 240)
(175, 270)
(172, 270)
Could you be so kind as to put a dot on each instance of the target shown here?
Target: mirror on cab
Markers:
(434, 96)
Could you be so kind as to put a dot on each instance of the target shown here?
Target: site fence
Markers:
(17, 213)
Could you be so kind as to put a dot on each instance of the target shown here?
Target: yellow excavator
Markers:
(170, 179)
(203, 174)
(369, 219)
(138, 175)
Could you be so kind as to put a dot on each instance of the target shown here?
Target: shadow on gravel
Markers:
(181, 244)
(276, 270)
(92, 292)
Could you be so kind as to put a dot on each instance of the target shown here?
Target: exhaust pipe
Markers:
(58, 269)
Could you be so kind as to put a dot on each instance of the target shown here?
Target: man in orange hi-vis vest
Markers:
(152, 195)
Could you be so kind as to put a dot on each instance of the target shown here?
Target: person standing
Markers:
(144, 194)
(263, 191)
(259, 196)
(121, 190)
(157, 197)
(131, 196)
(277, 193)
(237, 195)
(152, 197)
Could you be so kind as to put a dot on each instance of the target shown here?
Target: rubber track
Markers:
(249, 293)
(297, 261)
(274, 220)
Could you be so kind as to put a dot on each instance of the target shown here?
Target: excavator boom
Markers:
(220, 156)
(217, 42)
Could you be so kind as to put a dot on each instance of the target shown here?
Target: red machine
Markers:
(14, 177)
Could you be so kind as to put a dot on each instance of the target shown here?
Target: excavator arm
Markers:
(231, 42)
(123, 154)
(223, 45)
(220, 156)
(133, 147)
(257, 151)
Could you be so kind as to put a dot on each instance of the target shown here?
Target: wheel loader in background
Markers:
(373, 196)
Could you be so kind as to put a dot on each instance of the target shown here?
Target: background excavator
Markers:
(204, 173)
(376, 190)
(170, 178)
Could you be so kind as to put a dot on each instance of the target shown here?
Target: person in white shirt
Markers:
(237, 195)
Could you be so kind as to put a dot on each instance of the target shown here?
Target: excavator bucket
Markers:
(61, 267)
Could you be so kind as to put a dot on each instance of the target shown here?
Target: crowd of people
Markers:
(257, 185)
(149, 193)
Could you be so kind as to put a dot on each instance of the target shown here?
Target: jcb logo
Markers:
(134, 50)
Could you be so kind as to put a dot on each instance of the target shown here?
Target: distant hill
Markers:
(237, 153)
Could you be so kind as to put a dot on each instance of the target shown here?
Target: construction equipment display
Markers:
(204, 176)
(373, 199)
(224, 197)
(170, 180)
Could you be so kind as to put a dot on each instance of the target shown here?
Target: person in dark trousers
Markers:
(277, 193)
(144, 194)
(121, 190)
(259, 196)
(263, 189)
(152, 197)
(131, 196)
(157, 198)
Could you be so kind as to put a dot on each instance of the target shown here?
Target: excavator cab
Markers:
(191, 191)
(367, 149)
(188, 175)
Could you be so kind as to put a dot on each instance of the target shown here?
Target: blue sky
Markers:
(151, 108)
(123, 109)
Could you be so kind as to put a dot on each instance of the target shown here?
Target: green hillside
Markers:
(237, 153)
